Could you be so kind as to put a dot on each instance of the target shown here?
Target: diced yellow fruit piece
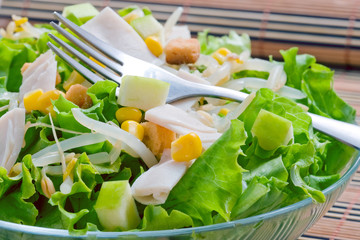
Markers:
(186, 148)
(31, 100)
(44, 101)
(128, 113)
(224, 111)
(220, 55)
(21, 21)
(69, 169)
(154, 45)
(75, 78)
(134, 128)
(97, 62)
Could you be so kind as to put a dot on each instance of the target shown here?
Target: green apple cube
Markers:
(142, 92)
(115, 206)
(272, 130)
(146, 26)
(83, 12)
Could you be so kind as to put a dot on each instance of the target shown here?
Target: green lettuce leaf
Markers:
(295, 65)
(156, 218)
(321, 182)
(233, 42)
(260, 196)
(17, 203)
(271, 168)
(76, 208)
(215, 173)
(318, 85)
(316, 81)
(14, 55)
(105, 92)
(268, 100)
(250, 73)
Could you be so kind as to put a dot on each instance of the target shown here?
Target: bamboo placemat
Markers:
(328, 29)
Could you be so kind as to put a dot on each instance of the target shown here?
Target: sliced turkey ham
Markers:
(154, 185)
(12, 128)
(40, 74)
(114, 30)
(182, 123)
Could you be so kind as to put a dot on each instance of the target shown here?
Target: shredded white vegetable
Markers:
(71, 143)
(115, 151)
(117, 133)
(40, 124)
(99, 158)
(172, 20)
(66, 185)
(3, 108)
(61, 152)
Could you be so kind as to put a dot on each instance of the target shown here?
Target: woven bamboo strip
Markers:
(327, 228)
(272, 24)
(308, 30)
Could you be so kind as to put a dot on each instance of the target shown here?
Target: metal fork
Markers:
(121, 64)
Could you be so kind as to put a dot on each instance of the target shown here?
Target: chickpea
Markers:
(77, 94)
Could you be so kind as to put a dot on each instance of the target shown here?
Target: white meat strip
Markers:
(114, 30)
(40, 74)
(154, 185)
(182, 123)
(12, 128)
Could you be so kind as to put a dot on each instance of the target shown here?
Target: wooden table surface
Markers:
(328, 29)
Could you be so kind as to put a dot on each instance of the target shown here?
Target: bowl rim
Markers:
(42, 231)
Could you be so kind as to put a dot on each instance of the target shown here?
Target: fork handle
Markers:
(342, 131)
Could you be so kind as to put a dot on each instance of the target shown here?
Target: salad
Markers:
(86, 156)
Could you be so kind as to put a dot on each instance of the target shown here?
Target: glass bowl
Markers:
(285, 223)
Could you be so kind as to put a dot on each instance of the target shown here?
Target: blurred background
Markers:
(328, 29)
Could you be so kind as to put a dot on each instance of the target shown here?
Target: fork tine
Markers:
(91, 39)
(107, 74)
(90, 51)
(89, 75)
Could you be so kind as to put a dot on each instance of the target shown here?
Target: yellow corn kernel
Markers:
(97, 62)
(220, 55)
(134, 128)
(186, 148)
(31, 100)
(21, 21)
(75, 78)
(224, 111)
(69, 169)
(15, 170)
(44, 101)
(154, 45)
(128, 113)
(47, 186)
(19, 29)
